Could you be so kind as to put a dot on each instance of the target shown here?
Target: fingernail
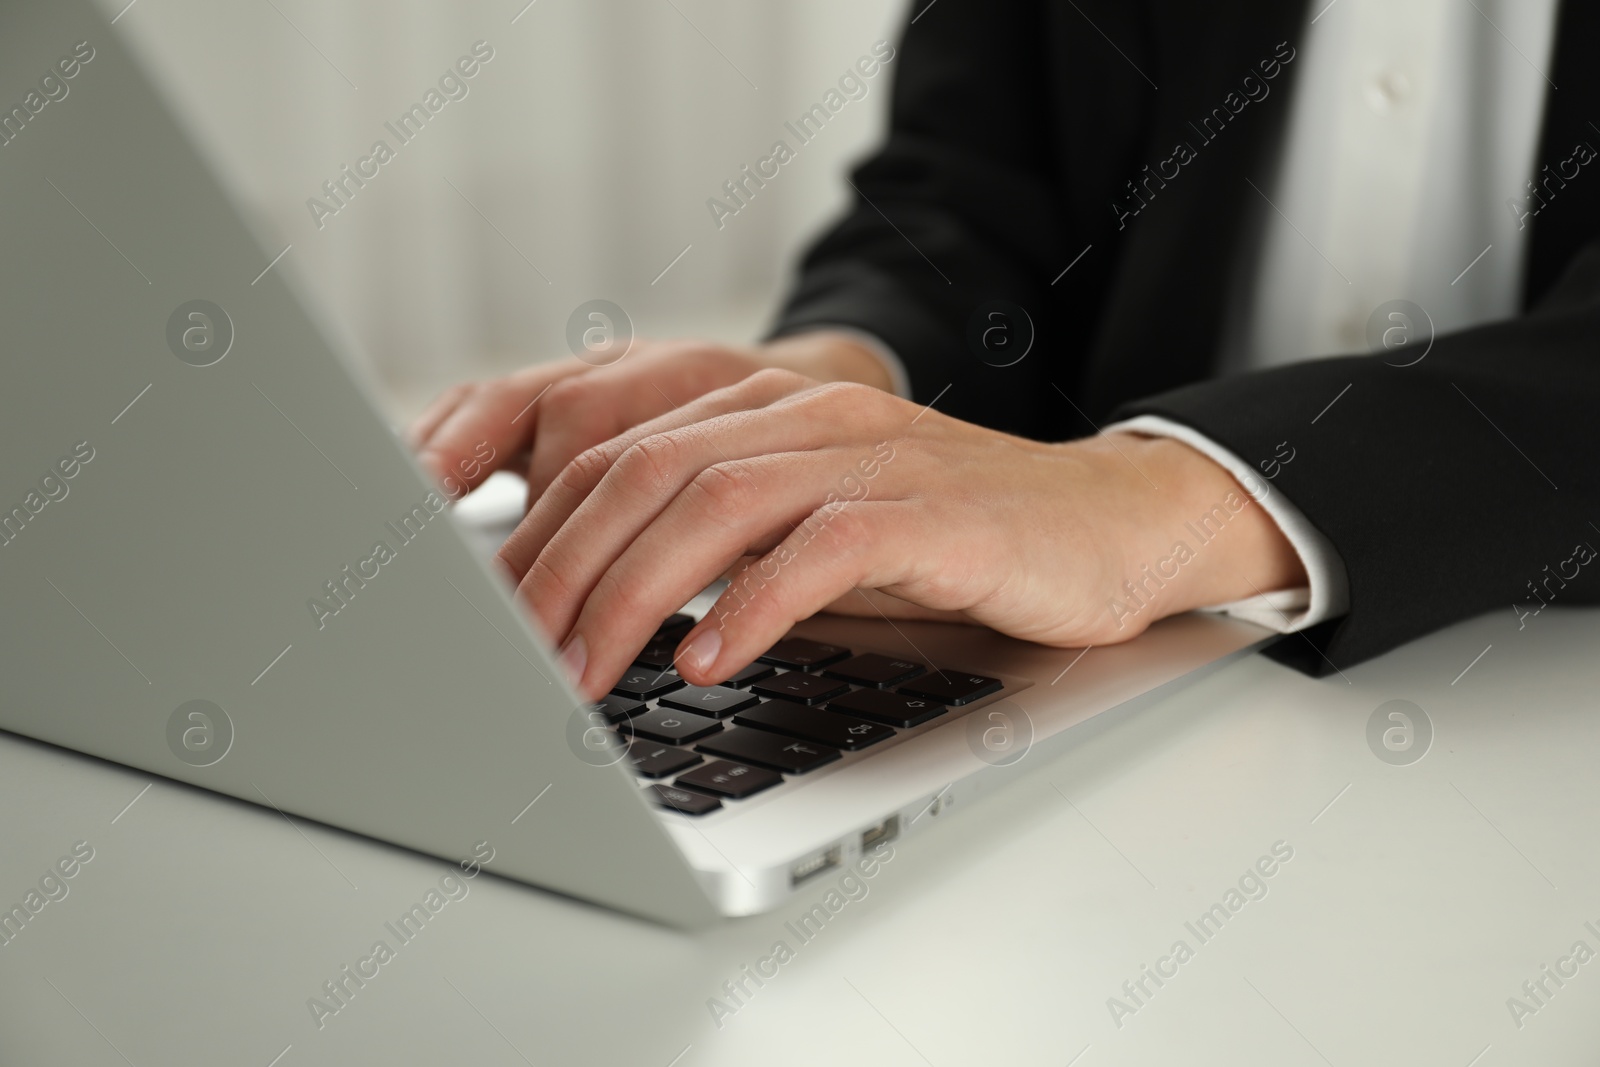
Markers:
(574, 657)
(701, 651)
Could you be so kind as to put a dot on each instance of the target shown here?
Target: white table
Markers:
(1418, 900)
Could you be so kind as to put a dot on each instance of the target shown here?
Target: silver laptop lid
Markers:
(217, 563)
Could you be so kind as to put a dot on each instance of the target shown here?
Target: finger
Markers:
(653, 475)
(594, 407)
(655, 468)
(728, 511)
(838, 548)
(583, 411)
(423, 426)
(574, 533)
(496, 419)
(647, 480)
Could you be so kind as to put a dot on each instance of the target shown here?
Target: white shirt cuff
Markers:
(874, 344)
(1327, 595)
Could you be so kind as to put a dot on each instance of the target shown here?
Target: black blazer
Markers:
(1455, 486)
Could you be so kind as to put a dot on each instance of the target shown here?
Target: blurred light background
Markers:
(585, 151)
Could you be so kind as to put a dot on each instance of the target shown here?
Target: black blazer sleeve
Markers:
(1467, 482)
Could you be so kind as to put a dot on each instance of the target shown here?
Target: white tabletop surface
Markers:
(1418, 900)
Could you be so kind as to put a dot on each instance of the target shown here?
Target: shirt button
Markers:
(1388, 91)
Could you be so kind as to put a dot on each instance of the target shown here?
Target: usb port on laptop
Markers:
(809, 868)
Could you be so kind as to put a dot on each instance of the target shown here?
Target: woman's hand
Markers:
(844, 497)
(537, 420)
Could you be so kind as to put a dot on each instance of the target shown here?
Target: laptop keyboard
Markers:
(801, 706)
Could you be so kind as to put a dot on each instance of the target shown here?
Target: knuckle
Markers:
(838, 392)
(771, 379)
(849, 533)
(851, 396)
(584, 470)
(543, 580)
(722, 493)
(651, 465)
(507, 558)
(840, 403)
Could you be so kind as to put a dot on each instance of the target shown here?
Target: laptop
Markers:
(219, 564)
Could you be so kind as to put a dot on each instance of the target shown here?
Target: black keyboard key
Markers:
(670, 726)
(869, 668)
(643, 683)
(799, 687)
(799, 653)
(714, 700)
(684, 800)
(616, 708)
(778, 753)
(814, 724)
(673, 629)
(732, 780)
(891, 709)
(952, 687)
(657, 655)
(751, 674)
(660, 761)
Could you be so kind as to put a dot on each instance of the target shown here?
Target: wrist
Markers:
(1211, 542)
(827, 356)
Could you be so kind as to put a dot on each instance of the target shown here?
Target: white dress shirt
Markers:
(1412, 124)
